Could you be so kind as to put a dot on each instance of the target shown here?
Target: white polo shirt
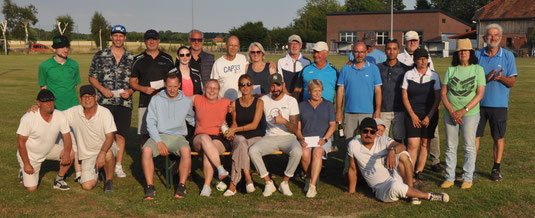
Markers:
(90, 134)
(227, 73)
(407, 59)
(41, 135)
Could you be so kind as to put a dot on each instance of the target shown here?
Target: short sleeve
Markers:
(511, 66)
(94, 66)
(135, 68)
(446, 76)
(332, 116)
(384, 142)
(24, 126)
(294, 107)
(350, 148)
(341, 77)
(377, 81)
(42, 75)
(109, 124)
(76, 78)
(405, 83)
(214, 74)
(437, 81)
(481, 80)
(64, 125)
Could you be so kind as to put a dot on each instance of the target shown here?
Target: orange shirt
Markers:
(210, 116)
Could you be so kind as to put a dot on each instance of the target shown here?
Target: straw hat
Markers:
(464, 44)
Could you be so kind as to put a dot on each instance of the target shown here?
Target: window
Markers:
(420, 35)
(443, 20)
(382, 38)
(348, 37)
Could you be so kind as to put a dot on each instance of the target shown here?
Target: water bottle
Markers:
(224, 128)
(221, 186)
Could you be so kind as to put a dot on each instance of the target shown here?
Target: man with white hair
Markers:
(291, 65)
(500, 70)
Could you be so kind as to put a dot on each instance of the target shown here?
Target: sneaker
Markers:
(307, 185)
(221, 186)
(311, 193)
(269, 189)
(439, 197)
(223, 175)
(416, 201)
(422, 186)
(119, 171)
(446, 184)
(77, 179)
(495, 175)
(466, 185)
(150, 192)
(284, 188)
(206, 191)
(437, 168)
(108, 186)
(61, 185)
(229, 193)
(20, 176)
(180, 191)
(250, 188)
(418, 176)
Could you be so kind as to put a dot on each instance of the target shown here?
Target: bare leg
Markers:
(414, 143)
(148, 165)
(207, 170)
(89, 185)
(109, 165)
(120, 142)
(499, 145)
(77, 166)
(422, 157)
(415, 193)
(316, 164)
(405, 169)
(64, 168)
(305, 161)
(185, 164)
(210, 150)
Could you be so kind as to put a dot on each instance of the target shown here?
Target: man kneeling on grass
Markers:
(385, 165)
(167, 114)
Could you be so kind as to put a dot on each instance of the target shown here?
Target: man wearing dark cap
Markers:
(37, 134)
(374, 56)
(148, 72)
(281, 112)
(60, 74)
(385, 165)
(93, 128)
(110, 74)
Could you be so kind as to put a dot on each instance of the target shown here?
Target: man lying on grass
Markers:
(385, 165)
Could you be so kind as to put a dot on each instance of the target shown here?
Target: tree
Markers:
(27, 16)
(100, 30)
(422, 5)
(462, 9)
(279, 36)
(312, 19)
(251, 32)
(365, 5)
(19, 18)
(66, 22)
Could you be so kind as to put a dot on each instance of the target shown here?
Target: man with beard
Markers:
(228, 69)
(282, 113)
(200, 60)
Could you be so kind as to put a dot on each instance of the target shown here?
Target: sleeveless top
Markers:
(245, 115)
(260, 78)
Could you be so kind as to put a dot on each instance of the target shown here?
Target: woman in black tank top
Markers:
(258, 69)
(244, 131)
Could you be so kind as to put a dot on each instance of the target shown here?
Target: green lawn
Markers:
(513, 197)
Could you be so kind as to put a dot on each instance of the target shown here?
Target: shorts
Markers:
(393, 188)
(89, 171)
(395, 121)
(327, 147)
(173, 143)
(142, 121)
(226, 143)
(59, 140)
(497, 117)
(423, 132)
(122, 117)
(33, 179)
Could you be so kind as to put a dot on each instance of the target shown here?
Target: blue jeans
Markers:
(468, 131)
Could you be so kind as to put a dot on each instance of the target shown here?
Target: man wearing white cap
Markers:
(291, 65)
(321, 69)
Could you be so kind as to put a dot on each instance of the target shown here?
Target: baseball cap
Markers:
(380, 121)
(411, 35)
(420, 52)
(118, 29)
(45, 95)
(295, 38)
(275, 78)
(368, 122)
(151, 34)
(369, 38)
(60, 41)
(320, 46)
(87, 90)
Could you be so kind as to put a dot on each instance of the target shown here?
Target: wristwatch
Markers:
(393, 148)
(324, 139)
(466, 109)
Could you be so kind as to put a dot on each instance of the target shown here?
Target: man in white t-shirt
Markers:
(228, 68)
(281, 112)
(94, 129)
(37, 134)
(385, 165)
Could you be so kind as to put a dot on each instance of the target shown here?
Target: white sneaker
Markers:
(311, 191)
(284, 188)
(269, 189)
(119, 171)
(416, 201)
(229, 193)
(250, 188)
(307, 185)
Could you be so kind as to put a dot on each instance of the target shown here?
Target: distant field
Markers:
(514, 197)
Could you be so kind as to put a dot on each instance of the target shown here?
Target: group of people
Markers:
(253, 108)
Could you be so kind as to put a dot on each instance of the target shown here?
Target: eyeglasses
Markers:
(366, 131)
(256, 52)
(195, 39)
(249, 84)
(182, 55)
(359, 52)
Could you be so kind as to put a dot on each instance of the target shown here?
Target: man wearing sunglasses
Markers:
(385, 165)
(200, 60)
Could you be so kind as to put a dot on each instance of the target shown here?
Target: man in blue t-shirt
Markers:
(374, 56)
(321, 69)
(500, 71)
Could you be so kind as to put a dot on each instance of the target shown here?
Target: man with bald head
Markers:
(228, 68)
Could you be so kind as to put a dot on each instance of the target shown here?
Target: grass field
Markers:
(513, 197)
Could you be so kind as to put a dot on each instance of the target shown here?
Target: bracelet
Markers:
(393, 148)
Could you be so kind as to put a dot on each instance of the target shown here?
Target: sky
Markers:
(174, 15)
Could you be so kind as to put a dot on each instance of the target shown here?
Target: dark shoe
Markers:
(180, 191)
(437, 168)
(150, 192)
(495, 175)
(422, 186)
(108, 186)
(20, 176)
(419, 176)
(77, 179)
(61, 185)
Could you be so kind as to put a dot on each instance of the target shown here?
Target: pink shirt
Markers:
(210, 116)
(187, 86)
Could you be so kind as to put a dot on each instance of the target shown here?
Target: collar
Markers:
(328, 64)
(429, 72)
(500, 52)
(366, 65)
(290, 58)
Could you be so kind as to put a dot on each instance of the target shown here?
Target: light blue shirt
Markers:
(169, 116)
(359, 87)
(328, 75)
(496, 93)
(375, 57)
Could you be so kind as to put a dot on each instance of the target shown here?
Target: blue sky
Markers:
(174, 15)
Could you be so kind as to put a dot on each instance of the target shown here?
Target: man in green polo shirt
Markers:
(60, 74)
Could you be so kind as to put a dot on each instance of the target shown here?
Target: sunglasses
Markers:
(195, 39)
(371, 131)
(249, 84)
(256, 52)
(186, 55)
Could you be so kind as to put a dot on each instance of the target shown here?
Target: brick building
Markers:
(433, 26)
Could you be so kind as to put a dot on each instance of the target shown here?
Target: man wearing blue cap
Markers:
(110, 74)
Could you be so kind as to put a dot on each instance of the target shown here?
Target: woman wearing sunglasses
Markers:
(191, 79)
(258, 69)
(244, 132)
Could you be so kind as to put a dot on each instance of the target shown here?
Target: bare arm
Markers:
(106, 92)
(101, 158)
(416, 122)
(134, 84)
(378, 101)
(352, 175)
(23, 152)
(339, 102)
(67, 147)
(292, 125)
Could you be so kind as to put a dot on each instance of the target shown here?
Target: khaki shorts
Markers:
(173, 143)
(89, 171)
(142, 121)
(33, 179)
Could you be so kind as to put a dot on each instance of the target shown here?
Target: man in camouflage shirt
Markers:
(110, 74)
